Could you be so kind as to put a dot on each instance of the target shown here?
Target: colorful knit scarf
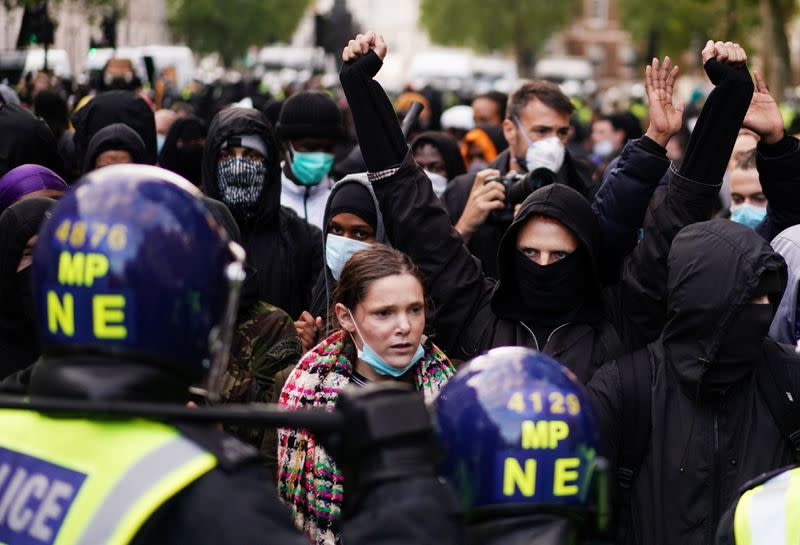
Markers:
(308, 480)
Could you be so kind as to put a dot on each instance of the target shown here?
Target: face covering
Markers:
(438, 182)
(160, 139)
(552, 294)
(741, 347)
(603, 149)
(371, 358)
(748, 215)
(310, 167)
(240, 183)
(338, 250)
(545, 153)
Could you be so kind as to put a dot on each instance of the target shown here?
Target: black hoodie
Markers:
(19, 343)
(117, 137)
(115, 107)
(186, 160)
(284, 250)
(448, 147)
(711, 430)
(26, 139)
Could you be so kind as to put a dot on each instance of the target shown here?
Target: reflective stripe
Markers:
(129, 503)
(792, 506)
(761, 513)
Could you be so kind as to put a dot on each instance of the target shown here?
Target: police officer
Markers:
(521, 451)
(136, 288)
(765, 512)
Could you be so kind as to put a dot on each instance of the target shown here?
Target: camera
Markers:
(518, 186)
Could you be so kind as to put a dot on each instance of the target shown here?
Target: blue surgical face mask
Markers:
(338, 250)
(371, 358)
(748, 215)
(310, 167)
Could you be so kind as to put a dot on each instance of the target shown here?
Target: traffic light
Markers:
(37, 28)
(108, 26)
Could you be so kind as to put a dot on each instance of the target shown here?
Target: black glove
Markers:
(389, 435)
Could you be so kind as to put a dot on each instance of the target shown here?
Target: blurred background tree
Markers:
(487, 25)
(229, 27)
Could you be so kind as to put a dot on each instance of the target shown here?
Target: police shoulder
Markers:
(230, 452)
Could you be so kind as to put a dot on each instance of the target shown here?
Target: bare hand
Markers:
(309, 330)
(484, 197)
(361, 44)
(726, 52)
(665, 117)
(763, 116)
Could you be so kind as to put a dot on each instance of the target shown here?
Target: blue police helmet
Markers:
(132, 263)
(517, 430)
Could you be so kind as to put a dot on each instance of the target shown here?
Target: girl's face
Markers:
(391, 319)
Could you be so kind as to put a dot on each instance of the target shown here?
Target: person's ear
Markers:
(510, 132)
(344, 318)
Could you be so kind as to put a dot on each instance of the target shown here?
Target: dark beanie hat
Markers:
(309, 114)
(355, 199)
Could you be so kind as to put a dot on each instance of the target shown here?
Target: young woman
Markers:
(379, 309)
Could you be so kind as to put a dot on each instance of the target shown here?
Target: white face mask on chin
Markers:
(438, 182)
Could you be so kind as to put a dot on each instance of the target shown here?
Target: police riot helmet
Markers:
(131, 264)
(517, 432)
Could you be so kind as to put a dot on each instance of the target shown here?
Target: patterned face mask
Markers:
(240, 184)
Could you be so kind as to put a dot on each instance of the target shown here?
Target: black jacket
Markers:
(485, 241)
(115, 107)
(26, 139)
(118, 137)
(284, 250)
(466, 303)
(705, 441)
(779, 172)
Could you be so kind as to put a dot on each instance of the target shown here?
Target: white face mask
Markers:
(545, 153)
(438, 182)
(603, 148)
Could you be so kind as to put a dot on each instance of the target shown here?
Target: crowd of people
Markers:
(349, 255)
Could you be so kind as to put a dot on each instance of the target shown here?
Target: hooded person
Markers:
(28, 181)
(705, 423)
(548, 294)
(115, 107)
(182, 152)
(439, 155)
(115, 144)
(309, 127)
(241, 167)
(785, 327)
(19, 225)
(26, 140)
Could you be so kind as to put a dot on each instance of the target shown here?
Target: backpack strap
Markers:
(781, 397)
(636, 381)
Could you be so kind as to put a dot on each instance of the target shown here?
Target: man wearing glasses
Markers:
(537, 129)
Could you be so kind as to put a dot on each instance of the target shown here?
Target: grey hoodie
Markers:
(783, 328)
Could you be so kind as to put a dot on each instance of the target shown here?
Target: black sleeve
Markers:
(605, 391)
(379, 135)
(779, 172)
(715, 132)
(416, 511)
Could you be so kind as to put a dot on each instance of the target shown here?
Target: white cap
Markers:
(458, 117)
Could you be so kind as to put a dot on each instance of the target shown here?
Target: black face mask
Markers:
(551, 294)
(741, 347)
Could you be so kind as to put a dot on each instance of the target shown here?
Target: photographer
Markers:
(536, 128)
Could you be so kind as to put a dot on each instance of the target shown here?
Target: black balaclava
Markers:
(354, 199)
(19, 344)
(186, 160)
(551, 294)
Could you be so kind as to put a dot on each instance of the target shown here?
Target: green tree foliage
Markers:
(229, 27)
(523, 26)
